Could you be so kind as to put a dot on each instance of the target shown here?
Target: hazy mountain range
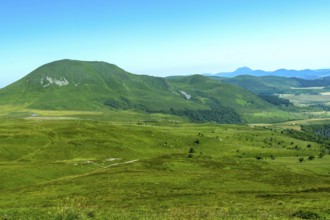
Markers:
(303, 74)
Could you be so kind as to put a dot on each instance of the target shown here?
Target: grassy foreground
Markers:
(86, 169)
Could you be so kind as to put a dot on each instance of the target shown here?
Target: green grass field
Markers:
(90, 166)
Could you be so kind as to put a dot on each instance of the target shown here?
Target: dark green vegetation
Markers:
(92, 169)
(99, 86)
(275, 100)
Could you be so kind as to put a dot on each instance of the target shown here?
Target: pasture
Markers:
(96, 169)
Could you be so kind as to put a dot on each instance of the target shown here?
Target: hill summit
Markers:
(82, 85)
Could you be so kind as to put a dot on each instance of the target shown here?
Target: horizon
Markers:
(165, 38)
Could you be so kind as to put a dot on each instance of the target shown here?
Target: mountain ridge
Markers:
(303, 74)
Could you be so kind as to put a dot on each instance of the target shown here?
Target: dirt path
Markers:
(116, 164)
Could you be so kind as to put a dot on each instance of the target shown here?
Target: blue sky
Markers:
(165, 37)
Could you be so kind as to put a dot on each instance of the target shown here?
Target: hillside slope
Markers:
(82, 85)
(263, 84)
(212, 93)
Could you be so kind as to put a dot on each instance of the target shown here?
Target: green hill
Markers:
(99, 86)
(79, 85)
(263, 84)
(215, 94)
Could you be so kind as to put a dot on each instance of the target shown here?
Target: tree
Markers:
(301, 159)
(191, 150)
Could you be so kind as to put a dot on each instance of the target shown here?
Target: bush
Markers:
(196, 141)
(306, 214)
(259, 157)
(311, 157)
(321, 155)
(301, 159)
(191, 150)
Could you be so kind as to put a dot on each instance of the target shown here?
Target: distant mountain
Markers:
(303, 74)
(82, 85)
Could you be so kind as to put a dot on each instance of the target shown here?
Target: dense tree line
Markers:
(314, 133)
(275, 100)
(322, 107)
(322, 130)
(301, 135)
(307, 136)
(217, 113)
(325, 81)
(223, 115)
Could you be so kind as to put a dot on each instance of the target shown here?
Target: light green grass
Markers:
(59, 168)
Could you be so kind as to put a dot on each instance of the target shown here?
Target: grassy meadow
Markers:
(92, 166)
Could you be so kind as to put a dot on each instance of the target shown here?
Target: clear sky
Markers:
(165, 37)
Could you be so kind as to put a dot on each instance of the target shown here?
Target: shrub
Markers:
(306, 214)
(301, 159)
(67, 213)
(311, 157)
(90, 214)
(321, 155)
